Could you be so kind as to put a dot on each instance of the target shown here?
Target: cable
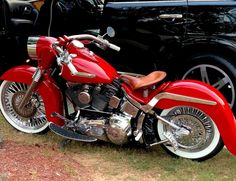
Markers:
(50, 18)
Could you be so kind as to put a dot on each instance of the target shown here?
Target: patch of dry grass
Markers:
(3, 177)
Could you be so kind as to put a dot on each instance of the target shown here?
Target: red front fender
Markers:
(50, 93)
(220, 113)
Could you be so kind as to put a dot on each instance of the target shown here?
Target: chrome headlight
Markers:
(31, 47)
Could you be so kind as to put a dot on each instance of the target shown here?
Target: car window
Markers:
(210, 0)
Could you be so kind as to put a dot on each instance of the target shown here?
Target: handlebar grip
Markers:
(72, 68)
(114, 47)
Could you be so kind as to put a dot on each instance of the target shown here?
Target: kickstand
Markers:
(63, 143)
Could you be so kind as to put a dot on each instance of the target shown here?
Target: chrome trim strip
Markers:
(85, 75)
(175, 97)
(166, 95)
(178, 97)
(130, 73)
(171, 16)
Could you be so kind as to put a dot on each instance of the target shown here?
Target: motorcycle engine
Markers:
(94, 96)
(115, 129)
(110, 118)
(119, 129)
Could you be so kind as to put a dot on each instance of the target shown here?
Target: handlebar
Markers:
(98, 40)
(114, 47)
(66, 59)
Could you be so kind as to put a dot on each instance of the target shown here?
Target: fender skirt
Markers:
(51, 94)
(215, 106)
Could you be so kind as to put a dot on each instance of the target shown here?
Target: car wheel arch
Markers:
(212, 63)
(205, 45)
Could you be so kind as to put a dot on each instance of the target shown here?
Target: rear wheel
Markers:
(216, 71)
(202, 140)
(30, 119)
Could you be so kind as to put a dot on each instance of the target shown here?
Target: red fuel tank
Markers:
(86, 61)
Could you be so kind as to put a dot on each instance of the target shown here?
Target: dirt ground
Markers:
(38, 162)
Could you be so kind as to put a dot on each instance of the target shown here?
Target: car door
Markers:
(211, 44)
(207, 18)
(159, 17)
(150, 27)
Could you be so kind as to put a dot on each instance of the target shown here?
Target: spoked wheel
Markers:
(30, 119)
(200, 139)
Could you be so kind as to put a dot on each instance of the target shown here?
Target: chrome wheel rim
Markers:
(214, 76)
(32, 119)
(200, 127)
(204, 134)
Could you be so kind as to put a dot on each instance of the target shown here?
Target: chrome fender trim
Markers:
(176, 97)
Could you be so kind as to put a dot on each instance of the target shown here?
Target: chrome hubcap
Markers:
(214, 76)
(28, 111)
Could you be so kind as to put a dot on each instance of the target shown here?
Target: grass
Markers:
(111, 162)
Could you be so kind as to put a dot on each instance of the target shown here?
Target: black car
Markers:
(17, 21)
(20, 19)
(188, 38)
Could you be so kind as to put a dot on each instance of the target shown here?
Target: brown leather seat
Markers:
(145, 81)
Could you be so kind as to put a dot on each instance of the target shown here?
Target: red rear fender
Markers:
(50, 93)
(220, 113)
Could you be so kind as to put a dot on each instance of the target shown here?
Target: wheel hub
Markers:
(28, 111)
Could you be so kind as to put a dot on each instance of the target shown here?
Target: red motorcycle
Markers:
(79, 96)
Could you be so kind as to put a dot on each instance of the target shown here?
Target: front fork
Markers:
(35, 80)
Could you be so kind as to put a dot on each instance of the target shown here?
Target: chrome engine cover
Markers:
(115, 129)
(84, 97)
(94, 128)
(119, 129)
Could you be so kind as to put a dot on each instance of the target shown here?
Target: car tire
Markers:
(215, 70)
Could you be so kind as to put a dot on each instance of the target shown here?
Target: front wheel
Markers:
(202, 140)
(30, 119)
